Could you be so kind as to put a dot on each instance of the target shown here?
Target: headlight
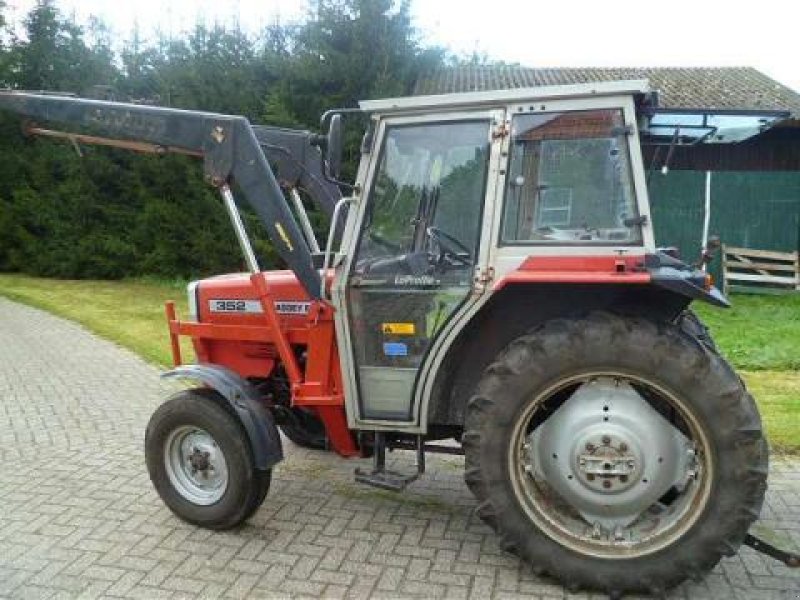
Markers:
(191, 291)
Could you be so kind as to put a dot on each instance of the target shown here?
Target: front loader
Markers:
(492, 278)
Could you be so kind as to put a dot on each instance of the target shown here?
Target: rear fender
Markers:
(243, 399)
(517, 308)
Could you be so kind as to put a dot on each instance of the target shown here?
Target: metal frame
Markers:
(650, 139)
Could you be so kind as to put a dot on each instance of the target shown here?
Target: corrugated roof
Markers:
(742, 88)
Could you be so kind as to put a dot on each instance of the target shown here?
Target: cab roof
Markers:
(634, 87)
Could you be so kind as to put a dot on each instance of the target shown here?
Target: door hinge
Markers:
(484, 276)
(500, 131)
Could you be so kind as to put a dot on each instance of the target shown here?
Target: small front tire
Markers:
(200, 461)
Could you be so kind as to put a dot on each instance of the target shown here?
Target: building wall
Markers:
(752, 209)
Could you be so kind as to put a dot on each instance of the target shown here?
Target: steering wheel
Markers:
(450, 247)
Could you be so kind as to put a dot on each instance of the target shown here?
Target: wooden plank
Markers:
(725, 285)
(788, 256)
(758, 265)
(762, 278)
(744, 259)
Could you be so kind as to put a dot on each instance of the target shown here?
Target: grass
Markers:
(760, 335)
(130, 312)
(759, 332)
(778, 397)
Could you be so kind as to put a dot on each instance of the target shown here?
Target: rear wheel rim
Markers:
(195, 465)
(561, 517)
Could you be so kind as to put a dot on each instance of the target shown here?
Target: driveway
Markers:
(78, 516)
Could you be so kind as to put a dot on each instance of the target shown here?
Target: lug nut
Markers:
(623, 447)
(606, 440)
(623, 478)
(590, 477)
(606, 484)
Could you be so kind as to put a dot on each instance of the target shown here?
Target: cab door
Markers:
(413, 260)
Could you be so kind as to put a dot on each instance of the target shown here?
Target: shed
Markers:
(754, 184)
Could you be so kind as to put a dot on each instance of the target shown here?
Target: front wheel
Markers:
(615, 453)
(200, 461)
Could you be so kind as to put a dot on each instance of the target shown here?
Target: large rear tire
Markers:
(646, 401)
(201, 463)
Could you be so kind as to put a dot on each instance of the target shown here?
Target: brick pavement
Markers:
(79, 518)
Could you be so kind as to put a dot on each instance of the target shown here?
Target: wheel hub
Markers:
(608, 461)
(608, 454)
(195, 465)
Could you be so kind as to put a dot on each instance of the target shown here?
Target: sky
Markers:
(560, 33)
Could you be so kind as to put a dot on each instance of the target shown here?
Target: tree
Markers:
(114, 214)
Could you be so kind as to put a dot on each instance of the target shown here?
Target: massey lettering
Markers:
(292, 308)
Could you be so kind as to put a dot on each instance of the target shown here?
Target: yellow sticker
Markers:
(284, 237)
(398, 328)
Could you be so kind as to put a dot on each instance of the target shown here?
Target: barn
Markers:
(749, 190)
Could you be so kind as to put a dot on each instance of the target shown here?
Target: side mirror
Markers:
(333, 147)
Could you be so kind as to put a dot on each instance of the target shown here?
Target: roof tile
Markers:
(742, 88)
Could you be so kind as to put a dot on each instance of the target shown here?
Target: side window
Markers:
(570, 180)
(425, 206)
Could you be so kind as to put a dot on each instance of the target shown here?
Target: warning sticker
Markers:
(398, 328)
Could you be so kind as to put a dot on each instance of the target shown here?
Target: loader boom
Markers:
(231, 149)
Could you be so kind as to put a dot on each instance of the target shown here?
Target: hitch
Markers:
(790, 559)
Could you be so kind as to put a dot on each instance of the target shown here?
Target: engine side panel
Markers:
(232, 300)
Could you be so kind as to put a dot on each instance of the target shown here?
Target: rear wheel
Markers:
(690, 324)
(615, 453)
(200, 461)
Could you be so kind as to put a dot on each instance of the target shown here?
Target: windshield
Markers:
(570, 181)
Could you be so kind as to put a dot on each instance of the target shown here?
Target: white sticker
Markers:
(235, 305)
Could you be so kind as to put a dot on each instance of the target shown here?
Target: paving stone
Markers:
(80, 519)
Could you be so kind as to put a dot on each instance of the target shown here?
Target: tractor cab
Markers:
(457, 193)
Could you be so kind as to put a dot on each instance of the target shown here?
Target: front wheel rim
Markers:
(558, 478)
(195, 465)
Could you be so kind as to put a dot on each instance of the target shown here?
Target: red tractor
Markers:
(491, 277)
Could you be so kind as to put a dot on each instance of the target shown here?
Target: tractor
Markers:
(491, 279)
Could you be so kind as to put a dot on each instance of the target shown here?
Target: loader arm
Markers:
(230, 147)
(296, 157)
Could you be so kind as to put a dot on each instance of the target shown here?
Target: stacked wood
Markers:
(760, 271)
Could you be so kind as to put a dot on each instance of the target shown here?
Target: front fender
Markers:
(243, 399)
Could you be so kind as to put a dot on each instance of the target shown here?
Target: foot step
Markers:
(381, 477)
